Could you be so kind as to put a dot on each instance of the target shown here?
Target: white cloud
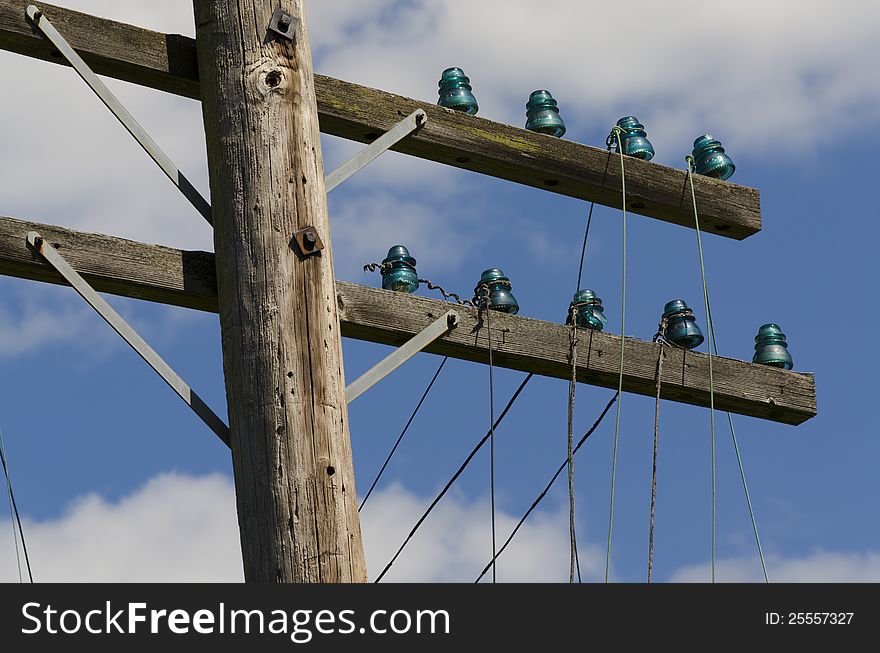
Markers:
(757, 74)
(179, 527)
(183, 528)
(818, 567)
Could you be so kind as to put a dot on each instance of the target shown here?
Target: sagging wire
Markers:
(615, 132)
(455, 476)
(549, 485)
(403, 432)
(713, 348)
(13, 507)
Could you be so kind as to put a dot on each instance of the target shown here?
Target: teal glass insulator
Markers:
(500, 297)
(542, 114)
(588, 311)
(399, 270)
(681, 326)
(635, 139)
(455, 91)
(710, 159)
(771, 347)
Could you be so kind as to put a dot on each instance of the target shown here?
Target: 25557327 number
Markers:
(808, 618)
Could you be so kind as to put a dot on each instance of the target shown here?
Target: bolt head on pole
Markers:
(681, 325)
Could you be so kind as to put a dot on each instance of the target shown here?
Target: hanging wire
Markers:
(11, 510)
(616, 131)
(584, 246)
(690, 162)
(661, 342)
(402, 433)
(549, 485)
(484, 291)
(455, 476)
(714, 348)
(14, 511)
(573, 342)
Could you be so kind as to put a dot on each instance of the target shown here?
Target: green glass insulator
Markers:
(500, 297)
(588, 311)
(771, 347)
(710, 159)
(542, 114)
(399, 271)
(456, 92)
(681, 325)
(635, 139)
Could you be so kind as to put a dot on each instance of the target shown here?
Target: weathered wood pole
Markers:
(282, 352)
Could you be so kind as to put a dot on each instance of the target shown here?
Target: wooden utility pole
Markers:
(282, 314)
(282, 349)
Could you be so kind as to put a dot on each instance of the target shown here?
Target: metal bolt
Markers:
(284, 22)
(310, 239)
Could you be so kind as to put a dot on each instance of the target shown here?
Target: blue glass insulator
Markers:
(635, 139)
(399, 270)
(588, 310)
(710, 159)
(681, 326)
(500, 297)
(455, 91)
(771, 347)
(542, 114)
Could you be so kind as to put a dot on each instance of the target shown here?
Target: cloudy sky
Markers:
(116, 480)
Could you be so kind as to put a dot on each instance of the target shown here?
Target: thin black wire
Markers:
(17, 517)
(491, 435)
(584, 247)
(550, 484)
(402, 433)
(455, 477)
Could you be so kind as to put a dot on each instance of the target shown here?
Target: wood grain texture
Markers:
(282, 348)
(187, 279)
(168, 62)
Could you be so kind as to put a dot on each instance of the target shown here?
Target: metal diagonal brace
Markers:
(112, 102)
(129, 335)
(401, 130)
(407, 350)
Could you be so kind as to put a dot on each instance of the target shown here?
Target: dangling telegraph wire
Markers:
(713, 347)
(616, 131)
(13, 507)
(549, 485)
(690, 162)
(455, 476)
(403, 433)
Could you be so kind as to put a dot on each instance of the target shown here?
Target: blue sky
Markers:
(117, 480)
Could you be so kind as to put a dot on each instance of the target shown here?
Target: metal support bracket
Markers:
(130, 336)
(401, 130)
(283, 24)
(407, 350)
(308, 240)
(112, 102)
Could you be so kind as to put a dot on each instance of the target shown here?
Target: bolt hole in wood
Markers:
(273, 78)
(331, 470)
